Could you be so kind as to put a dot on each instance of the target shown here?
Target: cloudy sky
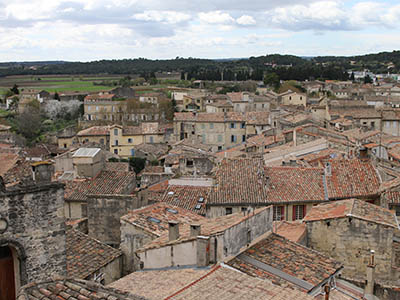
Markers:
(88, 30)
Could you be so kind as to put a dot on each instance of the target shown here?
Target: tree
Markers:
(29, 122)
(137, 164)
(56, 96)
(352, 78)
(272, 79)
(15, 89)
(368, 79)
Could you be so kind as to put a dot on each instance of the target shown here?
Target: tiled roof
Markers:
(187, 197)
(154, 149)
(68, 289)
(154, 218)
(95, 130)
(86, 255)
(352, 178)
(132, 130)
(116, 166)
(392, 197)
(8, 161)
(250, 117)
(352, 208)
(294, 184)
(226, 284)
(106, 182)
(209, 227)
(99, 96)
(291, 258)
(155, 284)
(239, 181)
(293, 231)
(152, 170)
(257, 118)
(156, 191)
(21, 170)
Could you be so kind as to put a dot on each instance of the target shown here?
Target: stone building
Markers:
(348, 230)
(32, 234)
(293, 98)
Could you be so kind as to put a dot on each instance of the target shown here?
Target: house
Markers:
(153, 174)
(123, 139)
(293, 98)
(219, 106)
(99, 135)
(391, 121)
(208, 241)
(141, 226)
(90, 259)
(219, 130)
(66, 138)
(348, 230)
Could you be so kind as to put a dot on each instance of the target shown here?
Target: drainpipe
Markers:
(369, 287)
(327, 290)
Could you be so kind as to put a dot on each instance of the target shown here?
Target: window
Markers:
(228, 211)
(299, 211)
(233, 125)
(97, 108)
(203, 126)
(373, 124)
(115, 151)
(203, 138)
(151, 140)
(243, 138)
(219, 148)
(65, 145)
(88, 108)
(130, 141)
(243, 125)
(132, 152)
(262, 105)
(301, 98)
(84, 210)
(116, 142)
(211, 125)
(219, 138)
(189, 163)
(233, 138)
(244, 209)
(290, 97)
(115, 131)
(279, 213)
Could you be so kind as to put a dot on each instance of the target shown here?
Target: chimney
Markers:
(327, 290)
(369, 287)
(195, 230)
(173, 230)
(203, 251)
(42, 171)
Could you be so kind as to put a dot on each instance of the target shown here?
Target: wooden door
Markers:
(7, 283)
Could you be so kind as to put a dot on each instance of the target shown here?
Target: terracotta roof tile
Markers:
(86, 255)
(188, 197)
(68, 289)
(352, 208)
(293, 231)
(291, 258)
(154, 218)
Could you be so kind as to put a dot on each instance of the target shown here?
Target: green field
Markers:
(62, 83)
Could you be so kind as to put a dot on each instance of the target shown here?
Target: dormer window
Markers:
(115, 131)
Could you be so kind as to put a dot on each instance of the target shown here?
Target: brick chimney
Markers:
(173, 230)
(195, 230)
(369, 287)
(203, 251)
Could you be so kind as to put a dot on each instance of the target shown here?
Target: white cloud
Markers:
(170, 17)
(216, 17)
(246, 20)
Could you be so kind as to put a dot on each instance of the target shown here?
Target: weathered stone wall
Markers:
(104, 213)
(36, 230)
(349, 240)
(132, 239)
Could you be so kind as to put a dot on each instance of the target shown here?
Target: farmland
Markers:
(52, 83)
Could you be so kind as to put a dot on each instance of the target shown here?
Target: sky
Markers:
(87, 30)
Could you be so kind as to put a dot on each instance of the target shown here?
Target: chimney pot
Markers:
(173, 230)
(195, 230)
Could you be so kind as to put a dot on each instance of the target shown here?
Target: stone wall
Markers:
(349, 240)
(36, 230)
(104, 213)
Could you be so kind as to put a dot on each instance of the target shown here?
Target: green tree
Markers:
(368, 79)
(352, 78)
(137, 164)
(56, 96)
(272, 79)
(15, 89)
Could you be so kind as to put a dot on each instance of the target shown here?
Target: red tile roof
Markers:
(293, 231)
(94, 131)
(105, 183)
(240, 181)
(154, 218)
(291, 258)
(187, 197)
(294, 184)
(352, 178)
(86, 255)
(352, 208)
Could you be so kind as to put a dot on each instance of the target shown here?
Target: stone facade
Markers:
(104, 213)
(349, 240)
(35, 231)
